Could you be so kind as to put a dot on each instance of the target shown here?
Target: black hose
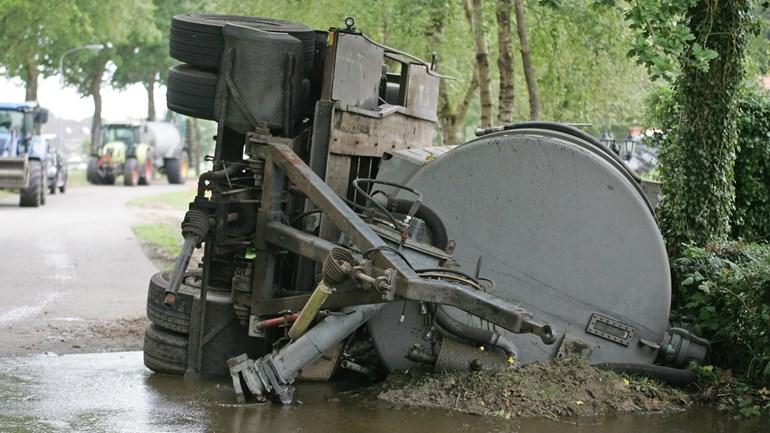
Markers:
(668, 375)
(230, 170)
(439, 237)
(476, 335)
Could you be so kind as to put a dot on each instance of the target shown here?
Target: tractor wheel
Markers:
(165, 351)
(191, 91)
(52, 188)
(92, 171)
(197, 39)
(145, 174)
(176, 169)
(175, 318)
(131, 172)
(34, 194)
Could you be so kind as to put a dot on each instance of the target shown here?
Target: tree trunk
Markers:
(453, 122)
(95, 89)
(697, 164)
(32, 78)
(526, 61)
(149, 85)
(505, 61)
(474, 12)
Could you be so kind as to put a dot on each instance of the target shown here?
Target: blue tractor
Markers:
(23, 152)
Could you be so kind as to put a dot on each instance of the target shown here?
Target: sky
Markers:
(129, 104)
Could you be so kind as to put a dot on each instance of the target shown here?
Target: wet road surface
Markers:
(113, 392)
(73, 260)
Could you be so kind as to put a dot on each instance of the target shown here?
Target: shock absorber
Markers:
(195, 226)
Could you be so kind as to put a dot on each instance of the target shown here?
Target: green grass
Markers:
(178, 200)
(162, 241)
(76, 179)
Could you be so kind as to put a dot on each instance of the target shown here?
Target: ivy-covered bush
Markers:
(725, 290)
(751, 219)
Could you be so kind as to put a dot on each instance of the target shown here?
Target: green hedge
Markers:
(751, 219)
(725, 290)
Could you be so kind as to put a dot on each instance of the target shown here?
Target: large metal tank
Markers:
(560, 226)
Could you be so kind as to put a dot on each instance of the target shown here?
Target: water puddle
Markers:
(113, 392)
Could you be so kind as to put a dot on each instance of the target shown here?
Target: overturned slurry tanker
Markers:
(336, 235)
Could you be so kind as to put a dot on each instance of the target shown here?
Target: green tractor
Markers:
(136, 151)
(121, 153)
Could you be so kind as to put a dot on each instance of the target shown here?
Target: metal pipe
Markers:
(310, 310)
(276, 321)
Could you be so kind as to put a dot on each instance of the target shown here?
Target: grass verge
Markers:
(161, 241)
(176, 200)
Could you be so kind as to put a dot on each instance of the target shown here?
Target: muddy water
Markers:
(114, 393)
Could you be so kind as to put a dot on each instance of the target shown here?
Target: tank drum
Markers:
(564, 231)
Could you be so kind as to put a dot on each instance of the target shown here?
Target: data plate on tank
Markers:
(610, 329)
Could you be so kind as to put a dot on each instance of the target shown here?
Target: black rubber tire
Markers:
(165, 351)
(131, 172)
(174, 318)
(33, 194)
(191, 92)
(176, 169)
(52, 188)
(92, 171)
(108, 179)
(197, 38)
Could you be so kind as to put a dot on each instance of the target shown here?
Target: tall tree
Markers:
(505, 61)
(33, 39)
(474, 10)
(144, 57)
(108, 26)
(697, 169)
(526, 61)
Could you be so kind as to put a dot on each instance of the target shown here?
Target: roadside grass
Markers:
(76, 179)
(161, 241)
(177, 200)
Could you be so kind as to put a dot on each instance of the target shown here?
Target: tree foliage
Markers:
(751, 219)
(701, 46)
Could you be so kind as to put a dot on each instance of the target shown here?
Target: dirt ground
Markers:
(77, 336)
(561, 388)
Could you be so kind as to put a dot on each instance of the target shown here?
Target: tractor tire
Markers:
(174, 318)
(108, 179)
(176, 169)
(92, 171)
(34, 194)
(131, 172)
(165, 351)
(52, 189)
(191, 92)
(197, 39)
(146, 172)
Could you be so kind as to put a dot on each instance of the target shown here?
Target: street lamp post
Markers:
(92, 47)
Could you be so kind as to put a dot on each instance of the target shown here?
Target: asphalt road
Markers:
(72, 270)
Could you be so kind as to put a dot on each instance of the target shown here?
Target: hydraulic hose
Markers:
(226, 172)
(439, 237)
(476, 335)
(668, 375)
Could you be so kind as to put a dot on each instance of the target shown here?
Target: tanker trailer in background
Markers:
(136, 151)
(336, 236)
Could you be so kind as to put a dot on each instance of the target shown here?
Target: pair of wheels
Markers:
(134, 173)
(197, 40)
(173, 329)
